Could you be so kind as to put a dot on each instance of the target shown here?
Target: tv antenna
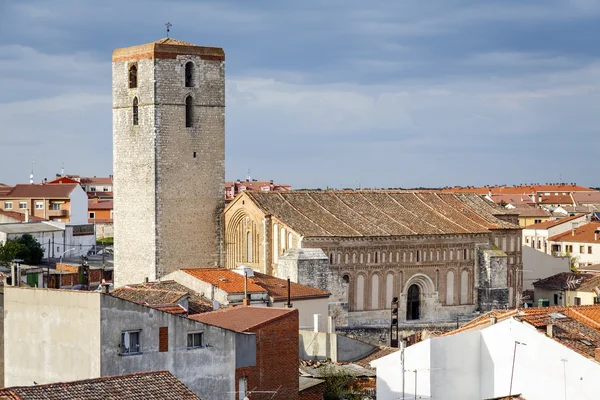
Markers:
(31, 175)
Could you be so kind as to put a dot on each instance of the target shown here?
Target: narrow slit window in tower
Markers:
(189, 74)
(135, 111)
(133, 76)
(188, 112)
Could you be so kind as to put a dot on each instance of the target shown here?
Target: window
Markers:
(568, 248)
(582, 249)
(194, 155)
(22, 204)
(418, 255)
(92, 188)
(163, 339)
(130, 342)
(8, 205)
(55, 206)
(39, 205)
(555, 299)
(188, 112)
(105, 189)
(537, 221)
(189, 74)
(133, 76)
(195, 340)
(465, 256)
(135, 117)
(589, 249)
(577, 301)
(92, 215)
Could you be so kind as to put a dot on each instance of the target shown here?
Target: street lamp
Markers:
(61, 268)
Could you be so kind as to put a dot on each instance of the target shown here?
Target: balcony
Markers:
(58, 213)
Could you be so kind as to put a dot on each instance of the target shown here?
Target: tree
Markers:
(25, 247)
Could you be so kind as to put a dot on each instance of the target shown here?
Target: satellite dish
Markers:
(126, 340)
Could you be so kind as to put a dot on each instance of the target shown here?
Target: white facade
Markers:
(585, 253)
(478, 365)
(79, 206)
(538, 265)
(538, 238)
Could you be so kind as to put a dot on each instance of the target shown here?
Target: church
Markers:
(441, 254)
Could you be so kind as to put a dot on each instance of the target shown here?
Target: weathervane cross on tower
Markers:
(168, 25)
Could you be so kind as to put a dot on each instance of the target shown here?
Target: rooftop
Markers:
(278, 290)
(380, 212)
(97, 181)
(587, 197)
(167, 48)
(573, 281)
(224, 279)
(100, 204)
(155, 385)
(243, 318)
(31, 227)
(59, 191)
(17, 216)
(553, 223)
(583, 234)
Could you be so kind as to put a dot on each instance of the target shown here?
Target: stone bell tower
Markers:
(168, 158)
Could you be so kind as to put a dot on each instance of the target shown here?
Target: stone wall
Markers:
(492, 291)
(169, 178)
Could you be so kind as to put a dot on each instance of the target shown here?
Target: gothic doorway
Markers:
(413, 303)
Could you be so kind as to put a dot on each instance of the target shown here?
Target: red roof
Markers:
(97, 181)
(583, 234)
(277, 288)
(42, 191)
(552, 224)
(587, 197)
(61, 180)
(224, 279)
(100, 204)
(243, 318)
(152, 385)
(20, 216)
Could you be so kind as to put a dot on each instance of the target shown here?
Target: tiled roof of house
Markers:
(560, 281)
(532, 212)
(519, 189)
(585, 209)
(100, 204)
(517, 200)
(277, 288)
(556, 199)
(587, 197)
(379, 352)
(97, 181)
(583, 234)
(243, 318)
(20, 217)
(196, 302)
(381, 213)
(42, 191)
(147, 296)
(155, 385)
(164, 296)
(167, 48)
(62, 180)
(224, 279)
(553, 223)
(4, 190)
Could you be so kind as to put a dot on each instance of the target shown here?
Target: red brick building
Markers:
(275, 375)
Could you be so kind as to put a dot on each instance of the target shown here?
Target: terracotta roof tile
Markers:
(155, 385)
(552, 224)
(100, 204)
(556, 199)
(42, 191)
(277, 288)
(20, 216)
(243, 318)
(587, 197)
(147, 296)
(381, 213)
(532, 212)
(224, 279)
(583, 234)
(97, 181)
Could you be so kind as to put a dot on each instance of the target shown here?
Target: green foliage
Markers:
(338, 385)
(25, 247)
(109, 241)
(572, 260)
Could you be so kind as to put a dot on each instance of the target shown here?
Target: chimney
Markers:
(573, 227)
(95, 200)
(493, 320)
(26, 215)
(549, 330)
(246, 302)
(105, 287)
(597, 354)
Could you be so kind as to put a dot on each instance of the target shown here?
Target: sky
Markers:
(327, 93)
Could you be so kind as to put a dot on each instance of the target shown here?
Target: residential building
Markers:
(275, 375)
(55, 237)
(165, 165)
(541, 353)
(536, 235)
(511, 200)
(154, 385)
(62, 335)
(167, 295)
(429, 249)
(100, 213)
(582, 242)
(568, 289)
(59, 203)
(97, 186)
(233, 188)
(553, 189)
(587, 198)
(9, 217)
(227, 287)
(532, 215)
